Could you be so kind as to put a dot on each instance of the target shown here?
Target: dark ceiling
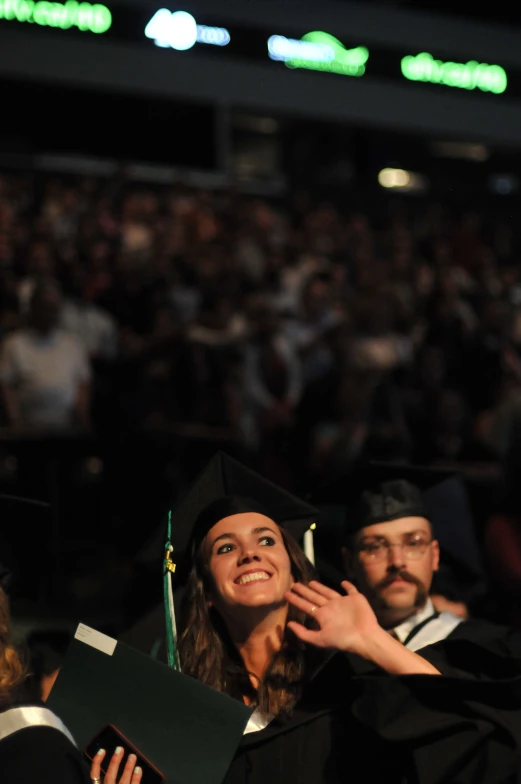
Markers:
(500, 13)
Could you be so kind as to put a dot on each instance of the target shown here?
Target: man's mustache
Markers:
(399, 574)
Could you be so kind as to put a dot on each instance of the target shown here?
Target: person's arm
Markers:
(83, 378)
(393, 657)
(82, 404)
(294, 368)
(108, 348)
(453, 728)
(8, 377)
(11, 404)
(348, 624)
(253, 383)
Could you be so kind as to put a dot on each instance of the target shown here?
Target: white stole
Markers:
(16, 719)
(434, 631)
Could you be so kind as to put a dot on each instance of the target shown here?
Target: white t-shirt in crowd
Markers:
(94, 328)
(46, 371)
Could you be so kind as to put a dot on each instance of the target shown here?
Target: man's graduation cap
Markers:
(377, 492)
(225, 487)
(20, 518)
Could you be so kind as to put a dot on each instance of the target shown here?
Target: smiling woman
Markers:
(244, 566)
(323, 676)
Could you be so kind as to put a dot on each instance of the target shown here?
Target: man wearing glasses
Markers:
(392, 554)
(393, 557)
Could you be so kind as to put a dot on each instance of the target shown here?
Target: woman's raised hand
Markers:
(347, 623)
(130, 774)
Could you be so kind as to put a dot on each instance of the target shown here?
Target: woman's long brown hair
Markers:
(12, 669)
(208, 654)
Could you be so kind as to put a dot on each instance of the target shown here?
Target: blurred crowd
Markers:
(299, 334)
(308, 334)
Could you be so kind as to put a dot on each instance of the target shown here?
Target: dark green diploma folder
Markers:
(187, 730)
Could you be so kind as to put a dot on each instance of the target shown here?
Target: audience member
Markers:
(44, 372)
(95, 329)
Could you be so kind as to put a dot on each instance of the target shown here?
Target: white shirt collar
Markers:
(404, 629)
(258, 721)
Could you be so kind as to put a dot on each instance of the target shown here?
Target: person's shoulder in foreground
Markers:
(42, 755)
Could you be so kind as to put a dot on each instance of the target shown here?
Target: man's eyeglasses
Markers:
(377, 548)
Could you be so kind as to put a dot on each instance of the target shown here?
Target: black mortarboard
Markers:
(377, 492)
(223, 488)
(19, 516)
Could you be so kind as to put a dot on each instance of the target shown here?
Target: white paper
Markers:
(102, 642)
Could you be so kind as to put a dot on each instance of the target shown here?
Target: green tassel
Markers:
(171, 628)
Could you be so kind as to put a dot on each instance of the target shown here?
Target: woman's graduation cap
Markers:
(224, 487)
(199, 508)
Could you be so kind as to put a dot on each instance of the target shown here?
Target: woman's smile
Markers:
(253, 576)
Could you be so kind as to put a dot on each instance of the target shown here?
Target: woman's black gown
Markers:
(463, 728)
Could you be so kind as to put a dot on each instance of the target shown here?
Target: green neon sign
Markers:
(349, 62)
(93, 18)
(468, 76)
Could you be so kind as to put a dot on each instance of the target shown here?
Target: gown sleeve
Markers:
(41, 755)
(461, 727)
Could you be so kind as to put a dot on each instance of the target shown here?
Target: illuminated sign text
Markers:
(179, 30)
(318, 51)
(93, 18)
(468, 76)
